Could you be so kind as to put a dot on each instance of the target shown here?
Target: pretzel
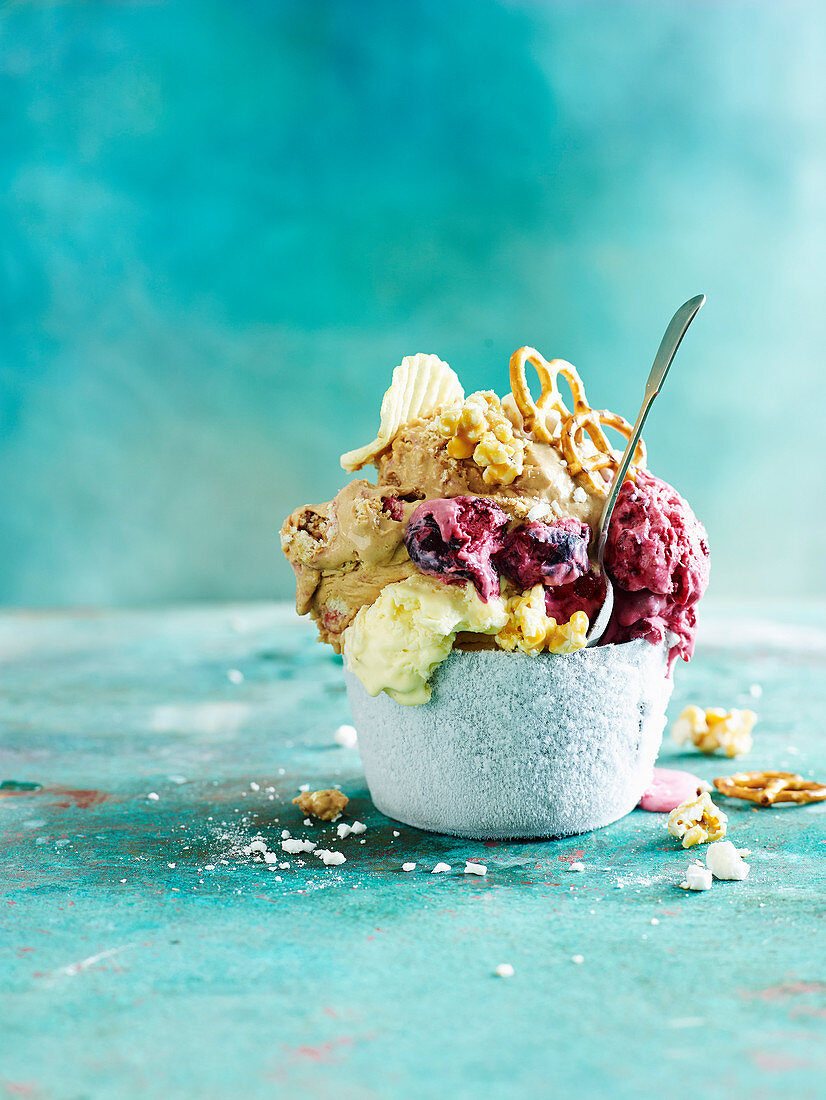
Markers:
(603, 457)
(550, 399)
(571, 427)
(766, 788)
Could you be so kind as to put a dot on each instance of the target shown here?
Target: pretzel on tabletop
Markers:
(571, 427)
(766, 788)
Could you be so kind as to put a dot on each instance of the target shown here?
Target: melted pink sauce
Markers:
(667, 789)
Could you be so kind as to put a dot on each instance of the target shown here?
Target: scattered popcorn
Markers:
(697, 821)
(235, 676)
(697, 877)
(724, 861)
(346, 736)
(531, 630)
(440, 869)
(153, 797)
(712, 729)
(408, 866)
(504, 970)
(359, 827)
(577, 959)
(576, 866)
(475, 868)
(479, 429)
(293, 847)
(325, 805)
(344, 830)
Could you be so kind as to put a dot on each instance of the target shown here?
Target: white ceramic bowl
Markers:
(517, 746)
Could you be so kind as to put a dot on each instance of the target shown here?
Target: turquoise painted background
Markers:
(223, 223)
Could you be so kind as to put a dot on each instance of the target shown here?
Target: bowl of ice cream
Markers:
(460, 586)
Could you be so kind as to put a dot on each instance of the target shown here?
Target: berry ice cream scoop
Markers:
(541, 553)
(657, 555)
(455, 540)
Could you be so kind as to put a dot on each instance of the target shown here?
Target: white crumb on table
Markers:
(576, 866)
(724, 861)
(697, 878)
(333, 859)
(346, 736)
(577, 959)
(475, 868)
(504, 970)
(408, 866)
(235, 676)
(293, 847)
(153, 796)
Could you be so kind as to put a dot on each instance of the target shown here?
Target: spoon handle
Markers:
(677, 328)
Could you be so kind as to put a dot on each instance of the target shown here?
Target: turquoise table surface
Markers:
(144, 955)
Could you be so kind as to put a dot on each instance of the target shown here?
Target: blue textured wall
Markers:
(223, 223)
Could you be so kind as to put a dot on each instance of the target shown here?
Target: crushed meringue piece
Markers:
(577, 959)
(714, 728)
(540, 510)
(408, 866)
(441, 869)
(293, 847)
(258, 845)
(332, 859)
(697, 877)
(576, 866)
(697, 821)
(346, 736)
(343, 830)
(358, 827)
(725, 862)
(504, 970)
(475, 868)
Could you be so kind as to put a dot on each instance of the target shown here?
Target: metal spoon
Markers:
(677, 328)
